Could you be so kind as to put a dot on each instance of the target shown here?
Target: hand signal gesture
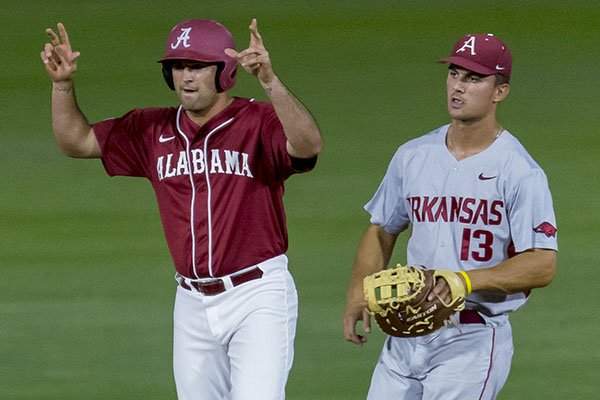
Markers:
(58, 57)
(255, 59)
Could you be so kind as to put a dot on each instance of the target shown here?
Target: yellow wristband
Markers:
(467, 281)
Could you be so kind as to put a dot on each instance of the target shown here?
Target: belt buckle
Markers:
(211, 287)
(214, 286)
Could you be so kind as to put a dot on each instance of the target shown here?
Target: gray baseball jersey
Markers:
(467, 214)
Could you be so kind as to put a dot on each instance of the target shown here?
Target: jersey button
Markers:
(455, 170)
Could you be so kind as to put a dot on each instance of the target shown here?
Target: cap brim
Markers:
(468, 64)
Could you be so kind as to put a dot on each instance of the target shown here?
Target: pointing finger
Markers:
(63, 34)
(232, 53)
(255, 38)
(253, 25)
(53, 36)
(249, 51)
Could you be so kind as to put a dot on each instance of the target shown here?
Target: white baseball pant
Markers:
(237, 345)
(459, 362)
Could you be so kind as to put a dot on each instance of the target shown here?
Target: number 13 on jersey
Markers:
(476, 245)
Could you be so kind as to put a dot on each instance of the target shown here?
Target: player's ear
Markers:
(501, 92)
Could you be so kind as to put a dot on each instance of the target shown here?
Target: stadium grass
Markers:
(86, 286)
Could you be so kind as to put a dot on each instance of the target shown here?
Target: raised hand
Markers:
(58, 57)
(255, 59)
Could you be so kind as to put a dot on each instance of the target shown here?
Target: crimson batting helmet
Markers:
(202, 40)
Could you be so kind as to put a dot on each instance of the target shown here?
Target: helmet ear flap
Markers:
(167, 72)
(223, 80)
(218, 83)
(225, 77)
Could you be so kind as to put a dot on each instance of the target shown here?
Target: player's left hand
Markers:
(255, 59)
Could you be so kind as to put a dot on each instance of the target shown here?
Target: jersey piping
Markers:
(208, 192)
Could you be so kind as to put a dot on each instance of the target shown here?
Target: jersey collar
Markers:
(230, 111)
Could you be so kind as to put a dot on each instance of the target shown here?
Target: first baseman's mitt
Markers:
(398, 299)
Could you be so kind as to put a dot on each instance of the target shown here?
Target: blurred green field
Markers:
(86, 287)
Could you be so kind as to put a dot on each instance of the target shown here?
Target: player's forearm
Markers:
(374, 253)
(71, 128)
(375, 248)
(525, 271)
(301, 130)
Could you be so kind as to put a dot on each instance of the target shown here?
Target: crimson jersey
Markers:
(219, 187)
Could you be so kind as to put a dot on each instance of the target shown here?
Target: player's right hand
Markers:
(58, 57)
(355, 312)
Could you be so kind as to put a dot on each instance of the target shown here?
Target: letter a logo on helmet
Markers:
(202, 40)
(182, 39)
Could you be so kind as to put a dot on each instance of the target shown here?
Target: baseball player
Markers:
(477, 204)
(217, 164)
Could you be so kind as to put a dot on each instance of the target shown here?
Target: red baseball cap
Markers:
(481, 53)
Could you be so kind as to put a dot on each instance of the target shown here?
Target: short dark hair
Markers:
(501, 79)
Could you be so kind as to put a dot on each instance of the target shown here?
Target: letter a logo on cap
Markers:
(469, 44)
(481, 53)
(183, 38)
